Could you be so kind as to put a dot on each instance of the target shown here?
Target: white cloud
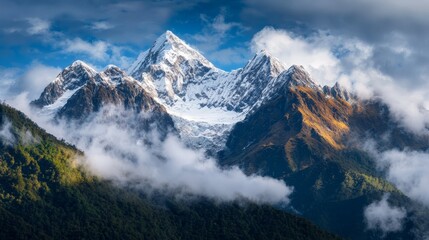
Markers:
(7, 78)
(211, 40)
(101, 26)
(221, 26)
(6, 135)
(38, 26)
(101, 51)
(117, 57)
(31, 80)
(317, 53)
(407, 170)
(118, 152)
(97, 49)
(35, 79)
(292, 49)
(381, 215)
(12, 30)
(331, 59)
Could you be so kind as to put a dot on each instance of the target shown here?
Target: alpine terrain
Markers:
(46, 194)
(266, 118)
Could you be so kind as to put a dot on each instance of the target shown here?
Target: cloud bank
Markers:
(331, 59)
(30, 81)
(407, 169)
(382, 216)
(116, 150)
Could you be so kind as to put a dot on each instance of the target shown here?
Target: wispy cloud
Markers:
(146, 161)
(214, 39)
(6, 136)
(100, 51)
(312, 53)
(7, 78)
(96, 50)
(38, 26)
(36, 77)
(331, 59)
(127, 21)
(382, 216)
(101, 25)
(407, 169)
(31, 80)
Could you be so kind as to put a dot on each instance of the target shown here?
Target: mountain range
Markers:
(266, 118)
(44, 194)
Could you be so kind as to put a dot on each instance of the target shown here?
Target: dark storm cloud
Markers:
(398, 30)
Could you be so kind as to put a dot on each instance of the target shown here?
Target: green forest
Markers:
(44, 194)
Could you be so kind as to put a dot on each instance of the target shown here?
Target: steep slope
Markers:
(205, 102)
(45, 195)
(307, 138)
(65, 84)
(170, 66)
(79, 91)
(182, 78)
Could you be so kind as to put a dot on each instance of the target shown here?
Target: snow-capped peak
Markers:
(80, 63)
(113, 75)
(111, 66)
(167, 49)
(338, 91)
(168, 42)
(264, 61)
(298, 76)
(70, 79)
(75, 75)
(169, 66)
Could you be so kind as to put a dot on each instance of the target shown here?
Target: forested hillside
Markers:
(44, 194)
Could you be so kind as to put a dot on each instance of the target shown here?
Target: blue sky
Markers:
(376, 49)
(333, 39)
(45, 31)
(101, 30)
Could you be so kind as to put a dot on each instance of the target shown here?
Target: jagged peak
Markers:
(113, 70)
(168, 42)
(113, 74)
(167, 48)
(72, 72)
(263, 55)
(168, 39)
(337, 91)
(264, 58)
(111, 66)
(297, 68)
(297, 76)
(169, 36)
(84, 65)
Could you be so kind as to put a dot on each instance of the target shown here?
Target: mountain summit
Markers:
(169, 65)
(66, 83)
(175, 77)
(267, 118)
(168, 49)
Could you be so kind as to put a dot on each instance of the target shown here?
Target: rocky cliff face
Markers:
(311, 139)
(69, 80)
(266, 118)
(79, 92)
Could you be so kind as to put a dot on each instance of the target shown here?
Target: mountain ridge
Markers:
(186, 86)
(45, 195)
(273, 121)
